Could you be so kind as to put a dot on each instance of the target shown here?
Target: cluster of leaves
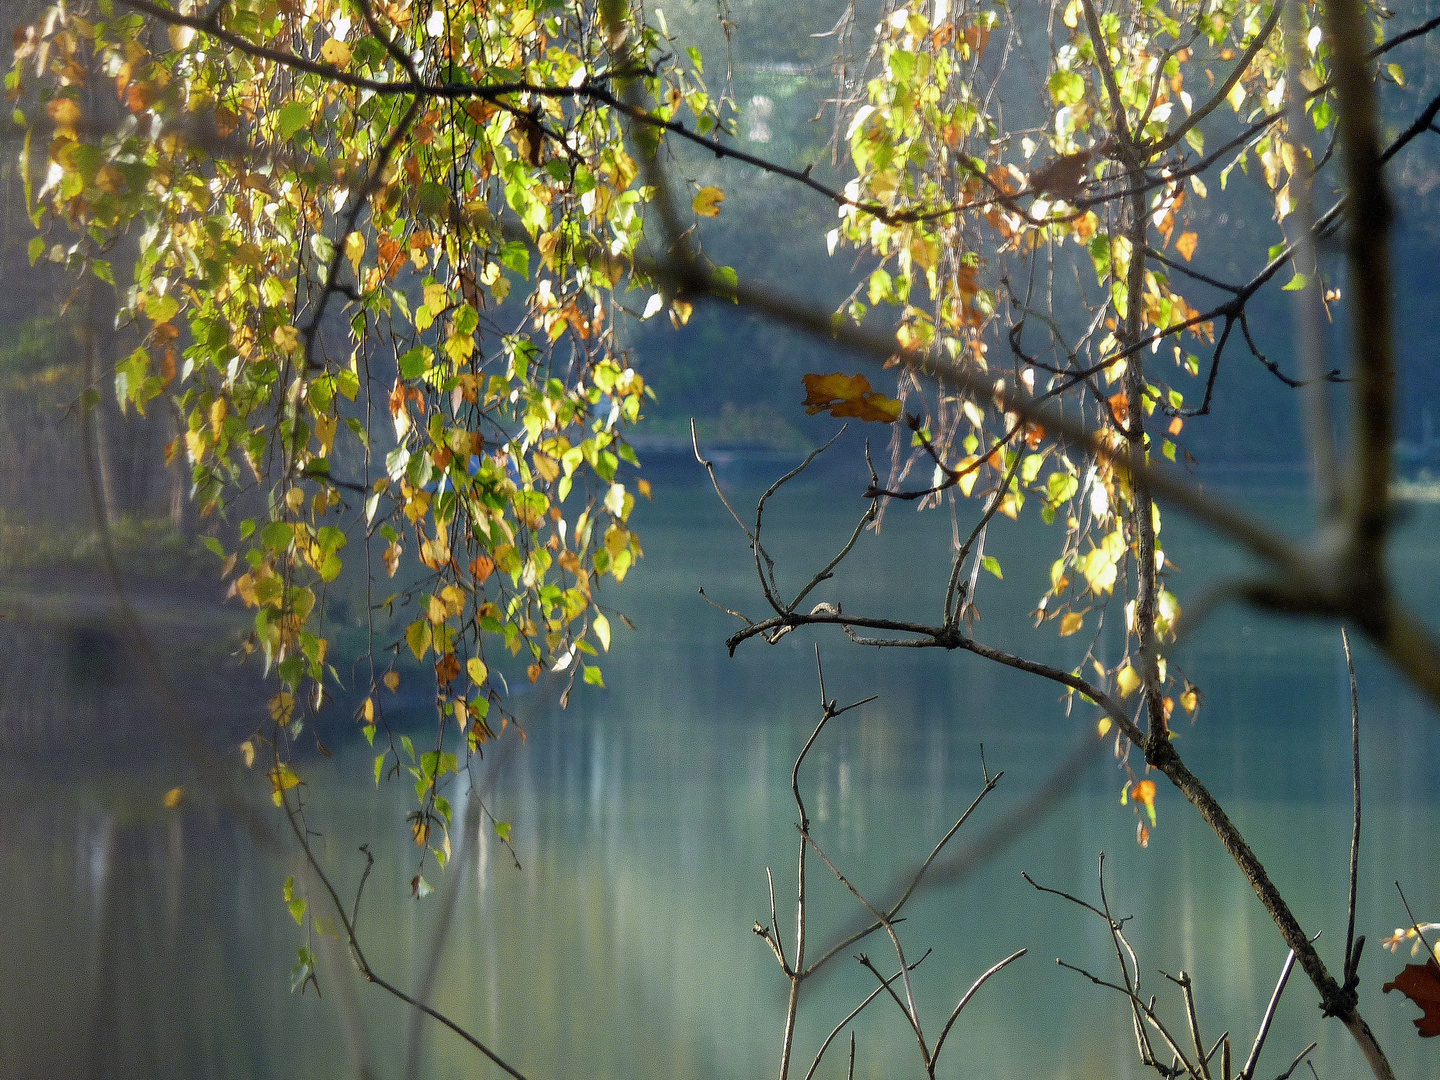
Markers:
(323, 213)
(967, 218)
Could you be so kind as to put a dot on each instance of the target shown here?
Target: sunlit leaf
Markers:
(848, 396)
(707, 202)
(1143, 792)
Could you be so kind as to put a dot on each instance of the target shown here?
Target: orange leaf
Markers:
(848, 395)
(447, 669)
(1120, 408)
(1186, 245)
(1422, 986)
(1144, 792)
(822, 391)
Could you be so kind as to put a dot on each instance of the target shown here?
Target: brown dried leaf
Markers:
(1421, 984)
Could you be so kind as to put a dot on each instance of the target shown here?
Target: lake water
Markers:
(140, 942)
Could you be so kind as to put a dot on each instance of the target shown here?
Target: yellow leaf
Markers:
(355, 250)
(454, 598)
(546, 466)
(66, 114)
(707, 202)
(336, 53)
(602, 631)
(369, 710)
(1127, 680)
(1186, 245)
(282, 708)
(1104, 726)
(1072, 622)
(1190, 700)
(247, 751)
(969, 473)
(477, 670)
(174, 797)
(282, 779)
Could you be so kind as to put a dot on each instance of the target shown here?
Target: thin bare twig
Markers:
(965, 1000)
(1248, 1071)
(1352, 948)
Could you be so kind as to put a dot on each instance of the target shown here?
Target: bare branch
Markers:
(965, 1000)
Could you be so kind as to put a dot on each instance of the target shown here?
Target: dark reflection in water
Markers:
(140, 942)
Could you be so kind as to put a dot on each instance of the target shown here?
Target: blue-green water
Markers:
(141, 942)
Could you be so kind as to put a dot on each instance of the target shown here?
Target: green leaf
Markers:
(1295, 284)
(516, 256)
(1067, 88)
(292, 118)
(303, 971)
(161, 309)
(36, 249)
(295, 903)
(416, 362)
(989, 562)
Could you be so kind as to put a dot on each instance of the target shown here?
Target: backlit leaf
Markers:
(707, 202)
(848, 396)
(1143, 792)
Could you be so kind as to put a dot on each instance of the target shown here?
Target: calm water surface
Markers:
(138, 942)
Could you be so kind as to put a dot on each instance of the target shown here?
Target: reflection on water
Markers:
(140, 942)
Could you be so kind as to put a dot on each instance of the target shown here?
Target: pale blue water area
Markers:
(140, 942)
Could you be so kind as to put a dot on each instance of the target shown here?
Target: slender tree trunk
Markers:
(95, 387)
(182, 509)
